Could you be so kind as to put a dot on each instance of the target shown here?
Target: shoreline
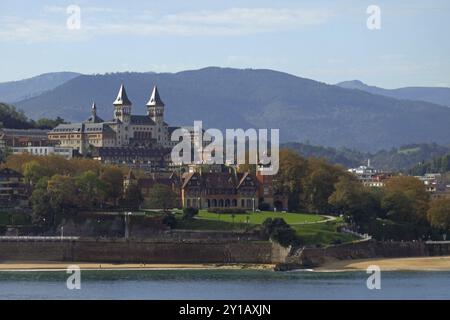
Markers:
(62, 266)
(437, 263)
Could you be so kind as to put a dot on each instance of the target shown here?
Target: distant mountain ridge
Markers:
(19, 90)
(403, 158)
(303, 109)
(437, 95)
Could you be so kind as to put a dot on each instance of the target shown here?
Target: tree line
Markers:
(61, 188)
(12, 118)
(402, 209)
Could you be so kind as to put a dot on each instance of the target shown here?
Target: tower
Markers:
(155, 107)
(94, 111)
(122, 106)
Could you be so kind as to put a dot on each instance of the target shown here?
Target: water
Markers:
(223, 284)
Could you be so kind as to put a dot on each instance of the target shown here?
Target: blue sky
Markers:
(322, 40)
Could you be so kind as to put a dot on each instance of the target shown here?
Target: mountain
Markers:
(395, 159)
(303, 109)
(19, 90)
(437, 95)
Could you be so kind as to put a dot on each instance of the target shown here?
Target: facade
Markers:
(436, 184)
(23, 138)
(12, 189)
(146, 159)
(45, 151)
(214, 187)
(124, 130)
(371, 177)
(209, 190)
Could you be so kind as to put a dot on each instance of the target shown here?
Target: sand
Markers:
(390, 264)
(44, 266)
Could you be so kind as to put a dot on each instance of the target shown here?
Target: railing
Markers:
(364, 236)
(37, 238)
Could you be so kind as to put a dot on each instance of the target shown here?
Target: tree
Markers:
(318, 184)
(43, 213)
(277, 229)
(405, 200)
(33, 171)
(161, 197)
(132, 196)
(90, 189)
(112, 182)
(360, 205)
(290, 174)
(439, 214)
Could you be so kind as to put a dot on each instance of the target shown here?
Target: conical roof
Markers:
(155, 99)
(122, 98)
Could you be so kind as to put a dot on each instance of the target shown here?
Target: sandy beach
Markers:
(390, 264)
(53, 266)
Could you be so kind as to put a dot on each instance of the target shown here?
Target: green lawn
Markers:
(322, 233)
(259, 217)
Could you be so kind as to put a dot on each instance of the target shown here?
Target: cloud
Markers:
(105, 21)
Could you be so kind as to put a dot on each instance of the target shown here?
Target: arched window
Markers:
(234, 203)
(221, 203)
(227, 203)
(214, 203)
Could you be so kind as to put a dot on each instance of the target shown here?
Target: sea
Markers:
(223, 284)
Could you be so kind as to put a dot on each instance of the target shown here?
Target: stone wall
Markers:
(142, 251)
(312, 257)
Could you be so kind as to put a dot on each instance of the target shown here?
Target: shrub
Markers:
(169, 220)
(277, 229)
(189, 213)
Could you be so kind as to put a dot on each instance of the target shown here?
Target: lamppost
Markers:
(62, 233)
(127, 231)
(253, 201)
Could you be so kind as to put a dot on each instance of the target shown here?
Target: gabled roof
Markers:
(122, 98)
(155, 99)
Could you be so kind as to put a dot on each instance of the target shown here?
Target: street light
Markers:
(127, 231)
(253, 200)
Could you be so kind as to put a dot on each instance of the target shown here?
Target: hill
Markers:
(437, 95)
(396, 159)
(304, 109)
(19, 90)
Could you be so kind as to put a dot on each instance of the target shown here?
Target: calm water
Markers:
(223, 284)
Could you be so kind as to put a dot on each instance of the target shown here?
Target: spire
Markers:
(155, 99)
(94, 109)
(122, 98)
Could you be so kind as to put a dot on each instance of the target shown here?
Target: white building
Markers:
(45, 151)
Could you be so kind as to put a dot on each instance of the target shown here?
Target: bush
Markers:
(2, 230)
(277, 229)
(169, 220)
(189, 213)
(264, 206)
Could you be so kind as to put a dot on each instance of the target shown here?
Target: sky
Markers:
(328, 41)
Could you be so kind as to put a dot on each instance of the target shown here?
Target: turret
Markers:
(155, 107)
(122, 106)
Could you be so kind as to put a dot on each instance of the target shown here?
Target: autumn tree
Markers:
(112, 180)
(290, 174)
(405, 200)
(161, 197)
(439, 214)
(360, 205)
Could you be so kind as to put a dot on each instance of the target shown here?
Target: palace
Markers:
(124, 130)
